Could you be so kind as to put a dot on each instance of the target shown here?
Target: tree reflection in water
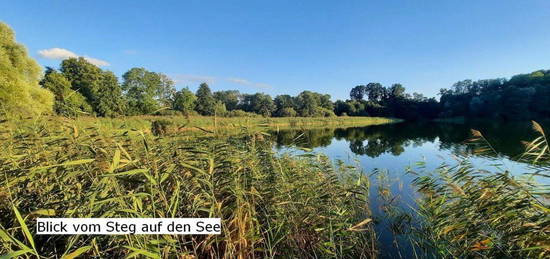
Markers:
(374, 141)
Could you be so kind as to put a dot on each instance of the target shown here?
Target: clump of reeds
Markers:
(270, 205)
(471, 213)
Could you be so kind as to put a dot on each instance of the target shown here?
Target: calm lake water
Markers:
(422, 147)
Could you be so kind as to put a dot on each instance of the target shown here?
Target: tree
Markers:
(375, 92)
(67, 101)
(230, 98)
(110, 102)
(396, 91)
(84, 77)
(144, 89)
(100, 88)
(283, 104)
(287, 112)
(184, 101)
(357, 93)
(20, 93)
(205, 100)
(167, 90)
(263, 104)
(307, 103)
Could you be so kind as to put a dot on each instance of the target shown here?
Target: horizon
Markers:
(285, 48)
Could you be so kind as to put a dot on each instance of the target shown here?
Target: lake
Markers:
(419, 146)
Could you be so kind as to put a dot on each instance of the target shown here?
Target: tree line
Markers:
(78, 87)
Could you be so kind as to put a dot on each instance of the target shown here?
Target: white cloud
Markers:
(57, 53)
(61, 54)
(97, 62)
(245, 82)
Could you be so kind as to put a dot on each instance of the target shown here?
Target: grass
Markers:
(231, 125)
(271, 205)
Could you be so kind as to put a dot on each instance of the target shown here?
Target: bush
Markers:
(160, 127)
(287, 112)
(168, 112)
(241, 113)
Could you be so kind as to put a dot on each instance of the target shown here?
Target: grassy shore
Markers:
(193, 125)
(211, 123)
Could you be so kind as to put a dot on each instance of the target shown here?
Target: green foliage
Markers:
(184, 101)
(219, 109)
(311, 104)
(229, 98)
(470, 213)
(147, 91)
(241, 113)
(20, 93)
(287, 112)
(160, 127)
(524, 96)
(270, 205)
(100, 88)
(68, 102)
(259, 103)
(205, 100)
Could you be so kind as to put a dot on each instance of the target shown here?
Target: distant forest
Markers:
(78, 87)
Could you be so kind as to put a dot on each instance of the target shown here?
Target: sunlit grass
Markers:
(271, 205)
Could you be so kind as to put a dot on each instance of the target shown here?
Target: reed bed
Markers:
(470, 213)
(271, 205)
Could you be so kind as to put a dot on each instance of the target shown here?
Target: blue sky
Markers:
(288, 46)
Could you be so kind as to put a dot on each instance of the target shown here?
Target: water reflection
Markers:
(374, 141)
(393, 147)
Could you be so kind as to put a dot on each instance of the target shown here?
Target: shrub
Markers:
(241, 113)
(160, 127)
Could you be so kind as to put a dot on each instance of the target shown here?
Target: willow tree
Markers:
(20, 93)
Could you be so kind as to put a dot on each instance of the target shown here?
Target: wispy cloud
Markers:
(61, 54)
(245, 82)
(188, 78)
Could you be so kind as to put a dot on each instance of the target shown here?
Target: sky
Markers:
(287, 46)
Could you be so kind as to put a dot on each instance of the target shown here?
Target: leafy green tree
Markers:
(375, 92)
(396, 91)
(205, 100)
(229, 98)
(110, 101)
(325, 102)
(287, 112)
(184, 101)
(143, 90)
(285, 106)
(68, 102)
(307, 103)
(263, 104)
(20, 93)
(84, 77)
(100, 88)
(167, 91)
(357, 93)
